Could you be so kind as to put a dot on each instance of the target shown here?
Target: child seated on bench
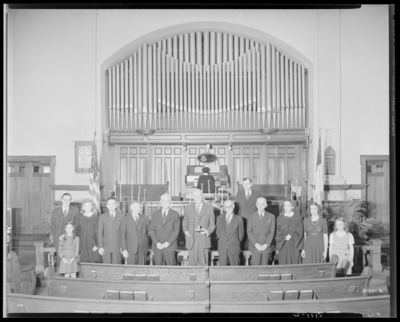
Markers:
(68, 251)
(341, 243)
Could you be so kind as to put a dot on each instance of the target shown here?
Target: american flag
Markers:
(94, 186)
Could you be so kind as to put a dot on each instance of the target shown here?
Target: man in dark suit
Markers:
(135, 236)
(198, 224)
(59, 217)
(246, 201)
(109, 233)
(260, 230)
(230, 232)
(164, 230)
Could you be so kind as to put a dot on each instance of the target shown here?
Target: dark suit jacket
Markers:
(132, 239)
(203, 179)
(58, 222)
(108, 232)
(260, 231)
(247, 207)
(229, 236)
(168, 232)
(206, 220)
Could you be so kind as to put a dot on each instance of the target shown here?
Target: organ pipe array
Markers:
(206, 81)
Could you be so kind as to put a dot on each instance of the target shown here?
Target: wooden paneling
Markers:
(283, 164)
(264, 164)
(132, 165)
(29, 193)
(375, 173)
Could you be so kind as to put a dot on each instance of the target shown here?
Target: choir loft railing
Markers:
(206, 81)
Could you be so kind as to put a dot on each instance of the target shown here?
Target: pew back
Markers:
(328, 288)
(165, 273)
(151, 291)
(213, 273)
(248, 273)
(18, 303)
(22, 281)
(368, 306)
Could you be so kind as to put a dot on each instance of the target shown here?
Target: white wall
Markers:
(365, 87)
(53, 72)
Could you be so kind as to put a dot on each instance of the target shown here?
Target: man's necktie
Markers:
(164, 217)
(228, 219)
(198, 208)
(262, 216)
(247, 195)
(65, 212)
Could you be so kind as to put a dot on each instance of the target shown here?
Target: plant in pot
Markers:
(354, 212)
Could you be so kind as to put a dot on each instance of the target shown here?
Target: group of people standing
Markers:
(104, 238)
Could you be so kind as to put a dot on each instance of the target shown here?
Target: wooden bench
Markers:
(326, 288)
(18, 303)
(149, 290)
(368, 306)
(213, 273)
(165, 273)
(296, 272)
(21, 281)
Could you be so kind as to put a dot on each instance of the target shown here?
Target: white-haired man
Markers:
(164, 231)
(198, 224)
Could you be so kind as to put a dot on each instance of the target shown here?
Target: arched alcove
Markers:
(205, 76)
(330, 164)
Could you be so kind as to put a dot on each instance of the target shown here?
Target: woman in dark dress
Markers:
(289, 235)
(206, 181)
(87, 233)
(316, 237)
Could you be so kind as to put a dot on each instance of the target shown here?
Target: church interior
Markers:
(269, 95)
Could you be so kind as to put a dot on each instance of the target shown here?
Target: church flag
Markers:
(319, 181)
(94, 186)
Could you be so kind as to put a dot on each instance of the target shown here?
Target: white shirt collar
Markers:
(165, 211)
(89, 214)
(65, 208)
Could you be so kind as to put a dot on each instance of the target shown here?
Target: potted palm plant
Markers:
(354, 211)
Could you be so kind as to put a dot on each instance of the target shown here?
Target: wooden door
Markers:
(376, 175)
(29, 193)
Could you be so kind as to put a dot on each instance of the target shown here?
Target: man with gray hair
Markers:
(198, 224)
(260, 230)
(135, 235)
(230, 232)
(164, 231)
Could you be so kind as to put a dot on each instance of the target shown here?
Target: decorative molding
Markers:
(328, 187)
(283, 136)
(31, 159)
(71, 187)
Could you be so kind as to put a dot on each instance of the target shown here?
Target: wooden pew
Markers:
(214, 273)
(368, 306)
(297, 272)
(165, 273)
(150, 291)
(326, 288)
(18, 303)
(21, 281)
